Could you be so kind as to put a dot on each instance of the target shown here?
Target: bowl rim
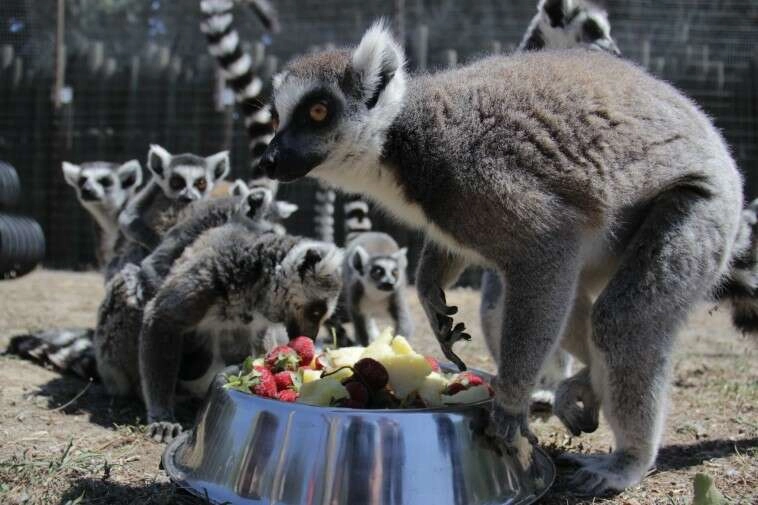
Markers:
(221, 379)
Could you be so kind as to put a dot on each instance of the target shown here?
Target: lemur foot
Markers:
(447, 334)
(601, 475)
(163, 431)
(512, 429)
(576, 404)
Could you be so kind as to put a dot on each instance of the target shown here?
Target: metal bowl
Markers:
(251, 450)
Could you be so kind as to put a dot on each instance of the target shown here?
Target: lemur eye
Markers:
(176, 182)
(318, 112)
(201, 183)
(377, 272)
(105, 182)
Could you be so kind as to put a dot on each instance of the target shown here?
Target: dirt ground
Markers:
(63, 441)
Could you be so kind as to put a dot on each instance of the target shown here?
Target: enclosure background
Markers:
(140, 74)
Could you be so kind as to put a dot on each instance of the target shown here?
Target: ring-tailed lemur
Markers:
(177, 180)
(558, 24)
(566, 24)
(120, 314)
(104, 189)
(222, 297)
(570, 172)
(374, 281)
(240, 73)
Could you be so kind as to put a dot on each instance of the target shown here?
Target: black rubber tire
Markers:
(22, 245)
(10, 186)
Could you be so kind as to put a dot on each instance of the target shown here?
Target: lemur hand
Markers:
(578, 418)
(163, 431)
(512, 429)
(439, 312)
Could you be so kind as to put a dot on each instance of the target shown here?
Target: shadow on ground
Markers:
(97, 491)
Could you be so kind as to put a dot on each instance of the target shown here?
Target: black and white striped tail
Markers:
(240, 73)
(324, 213)
(357, 219)
(68, 351)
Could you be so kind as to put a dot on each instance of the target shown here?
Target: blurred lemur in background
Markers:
(104, 189)
(558, 24)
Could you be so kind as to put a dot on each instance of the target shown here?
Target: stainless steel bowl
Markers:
(251, 450)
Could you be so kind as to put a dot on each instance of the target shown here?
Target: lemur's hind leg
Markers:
(674, 260)
(437, 270)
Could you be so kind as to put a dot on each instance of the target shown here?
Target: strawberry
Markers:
(282, 357)
(372, 373)
(433, 363)
(461, 382)
(320, 362)
(287, 395)
(453, 387)
(263, 382)
(358, 393)
(284, 380)
(304, 348)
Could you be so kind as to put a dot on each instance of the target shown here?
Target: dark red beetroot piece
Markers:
(372, 373)
(282, 357)
(304, 348)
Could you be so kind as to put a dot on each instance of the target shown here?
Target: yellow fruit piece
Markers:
(379, 351)
(431, 389)
(322, 392)
(385, 337)
(344, 356)
(407, 372)
(340, 374)
(310, 375)
(401, 346)
(471, 395)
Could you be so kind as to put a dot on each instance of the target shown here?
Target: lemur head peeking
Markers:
(564, 24)
(333, 108)
(257, 204)
(380, 274)
(103, 185)
(186, 177)
(309, 283)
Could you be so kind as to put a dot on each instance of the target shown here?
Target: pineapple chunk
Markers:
(401, 346)
(431, 389)
(340, 374)
(344, 356)
(385, 337)
(322, 392)
(407, 373)
(310, 375)
(471, 395)
(379, 351)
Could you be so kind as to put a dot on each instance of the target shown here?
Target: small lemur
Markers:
(177, 180)
(374, 282)
(566, 24)
(103, 189)
(222, 297)
(558, 24)
(121, 312)
(570, 173)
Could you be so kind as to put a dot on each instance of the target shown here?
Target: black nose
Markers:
(88, 195)
(185, 199)
(386, 286)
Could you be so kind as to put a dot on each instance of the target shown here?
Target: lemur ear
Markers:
(158, 160)
(219, 164)
(71, 173)
(401, 255)
(130, 174)
(238, 188)
(557, 10)
(359, 259)
(285, 209)
(311, 259)
(376, 60)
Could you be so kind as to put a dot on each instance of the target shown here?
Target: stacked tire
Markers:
(22, 242)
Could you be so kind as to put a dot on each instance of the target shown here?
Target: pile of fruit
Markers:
(386, 374)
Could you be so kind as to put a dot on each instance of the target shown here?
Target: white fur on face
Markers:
(289, 93)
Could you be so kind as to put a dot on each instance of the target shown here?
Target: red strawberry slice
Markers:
(433, 363)
(282, 357)
(287, 395)
(469, 379)
(284, 380)
(304, 348)
(264, 383)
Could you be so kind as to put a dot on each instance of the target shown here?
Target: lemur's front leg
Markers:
(541, 289)
(398, 309)
(437, 270)
(132, 223)
(177, 308)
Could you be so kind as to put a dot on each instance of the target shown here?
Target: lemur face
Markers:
(332, 109)
(572, 23)
(187, 177)
(257, 205)
(103, 184)
(312, 279)
(380, 274)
